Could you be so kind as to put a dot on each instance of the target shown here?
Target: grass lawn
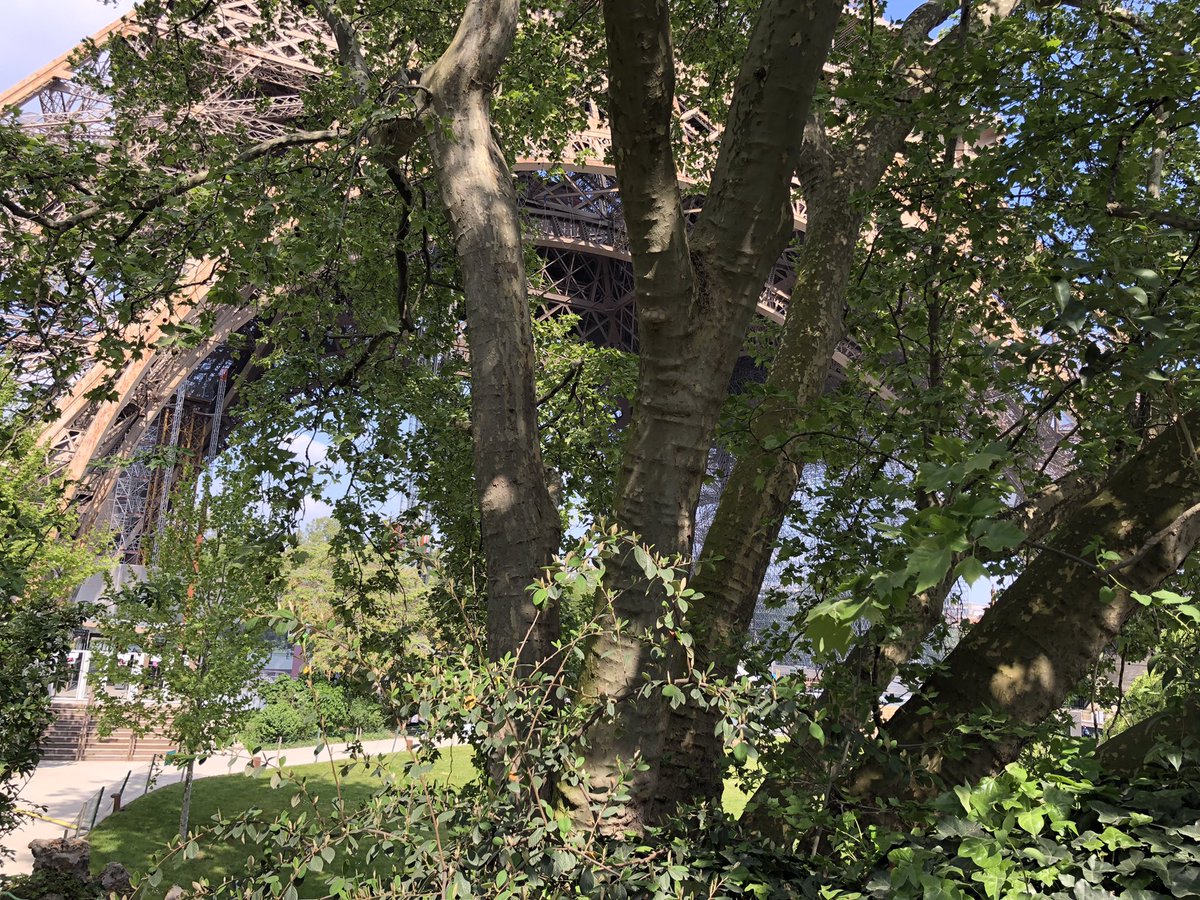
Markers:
(144, 827)
(140, 831)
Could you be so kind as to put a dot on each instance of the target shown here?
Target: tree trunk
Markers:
(519, 521)
(695, 303)
(754, 503)
(185, 809)
(738, 547)
(1048, 628)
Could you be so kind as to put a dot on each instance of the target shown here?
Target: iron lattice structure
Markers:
(177, 401)
(174, 401)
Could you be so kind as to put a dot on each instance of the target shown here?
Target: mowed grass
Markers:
(146, 826)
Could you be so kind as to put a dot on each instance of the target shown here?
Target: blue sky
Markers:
(37, 31)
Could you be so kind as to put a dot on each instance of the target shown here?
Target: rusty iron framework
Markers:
(169, 397)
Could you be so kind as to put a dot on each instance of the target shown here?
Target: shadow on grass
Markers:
(146, 827)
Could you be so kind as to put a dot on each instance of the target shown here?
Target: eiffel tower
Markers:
(172, 398)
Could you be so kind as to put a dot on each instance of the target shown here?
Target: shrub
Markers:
(47, 883)
(1061, 836)
(301, 711)
(279, 722)
(365, 715)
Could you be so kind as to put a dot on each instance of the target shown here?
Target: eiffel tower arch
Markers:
(181, 398)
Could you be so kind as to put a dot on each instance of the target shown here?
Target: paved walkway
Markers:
(58, 790)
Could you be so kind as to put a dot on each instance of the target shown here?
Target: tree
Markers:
(40, 567)
(998, 294)
(362, 626)
(189, 640)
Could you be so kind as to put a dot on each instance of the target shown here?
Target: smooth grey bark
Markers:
(519, 521)
(696, 298)
(1034, 645)
(753, 506)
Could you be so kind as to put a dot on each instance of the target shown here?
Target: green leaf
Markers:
(643, 559)
(673, 694)
(817, 732)
(929, 563)
(1062, 293)
(1032, 821)
(997, 535)
(970, 570)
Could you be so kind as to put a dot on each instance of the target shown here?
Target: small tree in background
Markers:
(190, 639)
(362, 619)
(39, 569)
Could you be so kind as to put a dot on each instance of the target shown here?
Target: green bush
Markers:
(300, 711)
(365, 716)
(279, 722)
(47, 883)
(1057, 836)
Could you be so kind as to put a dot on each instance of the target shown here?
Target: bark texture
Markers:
(739, 543)
(754, 504)
(1040, 638)
(519, 521)
(696, 299)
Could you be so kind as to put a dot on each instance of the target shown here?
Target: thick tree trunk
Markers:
(520, 523)
(1048, 628)
(754, 503)
(740, 541)
(695, 304)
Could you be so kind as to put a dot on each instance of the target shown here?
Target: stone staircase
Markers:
(74, 735)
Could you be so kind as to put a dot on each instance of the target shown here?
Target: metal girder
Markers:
(570, 201)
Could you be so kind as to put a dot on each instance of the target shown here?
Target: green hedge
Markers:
(301, 711)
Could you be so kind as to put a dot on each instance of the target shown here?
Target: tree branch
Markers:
(349, 50)
(482, 41)
(1048, 627)
(1159, 217)
(747, 220)
(182, 186)
(641, 89)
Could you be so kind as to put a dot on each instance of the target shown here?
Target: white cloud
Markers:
(312, 509)
(306, 447)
